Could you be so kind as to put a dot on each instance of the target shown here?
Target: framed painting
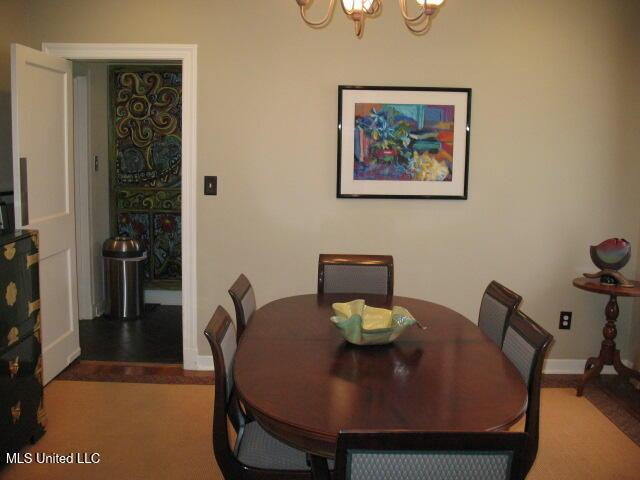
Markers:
(403, 142)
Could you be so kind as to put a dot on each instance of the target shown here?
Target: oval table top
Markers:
(304, 383)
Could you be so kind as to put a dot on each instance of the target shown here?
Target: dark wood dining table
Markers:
(304, 383)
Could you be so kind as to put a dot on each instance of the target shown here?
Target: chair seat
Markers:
(259, 449)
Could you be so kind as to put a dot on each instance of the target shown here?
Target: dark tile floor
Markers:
(156, 338)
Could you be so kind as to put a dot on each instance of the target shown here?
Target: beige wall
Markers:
(13, 28)
(549, 167)
(632, 141)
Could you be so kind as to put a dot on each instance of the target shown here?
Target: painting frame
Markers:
(354, 182)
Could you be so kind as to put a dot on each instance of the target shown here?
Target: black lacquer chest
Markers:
(22, 415)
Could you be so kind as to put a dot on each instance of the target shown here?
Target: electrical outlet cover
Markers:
(565, 320)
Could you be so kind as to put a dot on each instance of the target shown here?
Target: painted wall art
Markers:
(146, 159)
(401, 142)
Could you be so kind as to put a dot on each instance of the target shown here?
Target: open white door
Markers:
(43, 182)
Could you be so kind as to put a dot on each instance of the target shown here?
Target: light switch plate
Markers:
(210, 185)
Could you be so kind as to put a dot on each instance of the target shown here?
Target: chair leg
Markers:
(319, 468)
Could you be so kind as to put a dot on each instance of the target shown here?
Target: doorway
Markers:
(128, 182)
(144, 56)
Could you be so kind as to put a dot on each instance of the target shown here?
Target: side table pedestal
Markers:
(609, 354)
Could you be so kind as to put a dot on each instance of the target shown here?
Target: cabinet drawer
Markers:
(22, 415)
(11, 334)
(26, 245)
(21, 360)
(19, 290)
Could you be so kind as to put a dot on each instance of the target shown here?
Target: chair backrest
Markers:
(244, 301)
(371, 274)
(498, 303)
(526, 344)
(222, 339)
(430, 455)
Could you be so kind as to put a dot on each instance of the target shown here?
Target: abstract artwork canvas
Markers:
(403, 142)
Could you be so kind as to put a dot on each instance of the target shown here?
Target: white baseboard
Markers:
(190, 359)
(573, 366)
(205, 362)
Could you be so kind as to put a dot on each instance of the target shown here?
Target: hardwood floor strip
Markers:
(98, 371)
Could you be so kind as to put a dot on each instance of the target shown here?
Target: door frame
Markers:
(83, 197)
(187, 54)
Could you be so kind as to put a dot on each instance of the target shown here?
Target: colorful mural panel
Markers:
(146, 158)
(167, 248)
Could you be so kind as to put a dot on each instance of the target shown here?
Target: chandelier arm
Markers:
(374, 8)
(321, 23)
(359, 24)
(409, 19)
(419, 30)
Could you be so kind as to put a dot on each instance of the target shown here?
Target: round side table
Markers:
(609, 354)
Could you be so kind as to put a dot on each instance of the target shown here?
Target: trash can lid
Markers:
(121, 247)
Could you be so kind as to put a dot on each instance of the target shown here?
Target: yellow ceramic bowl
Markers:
(361, 324)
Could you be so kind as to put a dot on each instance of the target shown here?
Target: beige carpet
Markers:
(164, 432)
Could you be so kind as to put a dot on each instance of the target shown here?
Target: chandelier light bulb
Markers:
(357, 5)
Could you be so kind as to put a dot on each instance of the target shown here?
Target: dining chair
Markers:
(498, 303)
(430, 455)
(257, 454)
(244, 301)
(371, 274)
(526, 344)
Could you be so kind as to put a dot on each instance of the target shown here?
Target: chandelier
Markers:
(418, 22)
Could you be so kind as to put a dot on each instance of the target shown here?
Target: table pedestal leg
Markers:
(609, 354)
(591, 369)
(622, 369)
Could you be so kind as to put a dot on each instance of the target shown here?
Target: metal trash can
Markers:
(123, 262)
